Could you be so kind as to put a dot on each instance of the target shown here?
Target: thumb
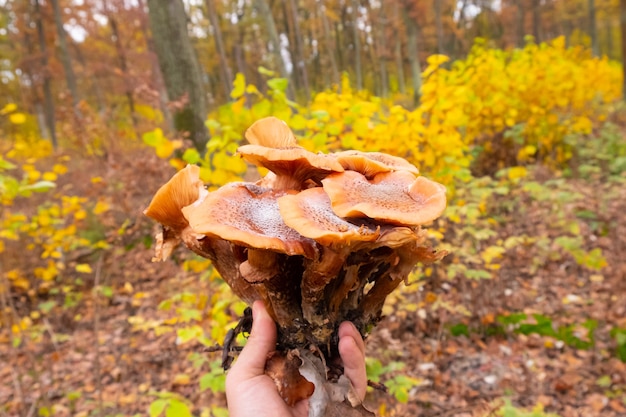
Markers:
(261, 342)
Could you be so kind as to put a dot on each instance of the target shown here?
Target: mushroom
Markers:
(247, 215)
(166, 207)
(372, 163)
(292, 166)
(309, 212)
(321, 239)
(183, 189)
(272, 133)
(394, 197)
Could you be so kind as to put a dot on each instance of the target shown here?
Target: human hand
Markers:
(251, 393)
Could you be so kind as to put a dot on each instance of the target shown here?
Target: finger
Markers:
(348, 329)
(352, 352)
(262, 341)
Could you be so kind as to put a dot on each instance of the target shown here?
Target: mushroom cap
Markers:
(372, 163)
(247, 215)
(272, 133)
(295, 163)
(395, 197)
(309, 212)
(182, 189)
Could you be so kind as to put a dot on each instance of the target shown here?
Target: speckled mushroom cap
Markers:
(395, 197)
(247, 215)
(372, 163)
(309, 212)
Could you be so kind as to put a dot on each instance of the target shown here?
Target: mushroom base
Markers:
(308, 319)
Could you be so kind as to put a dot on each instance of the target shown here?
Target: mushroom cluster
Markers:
(321, 239)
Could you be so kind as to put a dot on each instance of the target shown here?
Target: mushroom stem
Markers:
(221, 255)
(317, 275)
(274, 273)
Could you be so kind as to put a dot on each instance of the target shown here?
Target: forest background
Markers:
(515, 105)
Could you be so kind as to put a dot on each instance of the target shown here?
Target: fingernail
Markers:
(258, 308)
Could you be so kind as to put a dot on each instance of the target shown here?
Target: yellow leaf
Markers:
(59, 169)
(17, 118)
(100, 207)
(164, 149)
(517, 172)
(84, 268)
(96, 180)
(437, 59)
(239, 86)
(11, 107)
(49, 176)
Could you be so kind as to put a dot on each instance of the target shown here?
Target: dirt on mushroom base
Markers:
(315, 263)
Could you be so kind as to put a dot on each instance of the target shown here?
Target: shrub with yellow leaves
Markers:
(512, 107)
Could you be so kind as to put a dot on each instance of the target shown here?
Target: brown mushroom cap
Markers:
(393, 197)
(292, 166)
(247, 215)
(309, 212)
(272, 133)
(181, 190)
(372, 163)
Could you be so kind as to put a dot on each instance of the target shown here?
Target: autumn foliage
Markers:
(532, 118)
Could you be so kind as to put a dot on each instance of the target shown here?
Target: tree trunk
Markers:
(609, 41)
(622, 7)
(291, 46)
(416, 71)
(537, 20)
(95, 84)
(299, 63)
(459, 45)
(439, 26)
(47, 91)
(121, 56)
(180, 67)
(593, 31)
(66, 60)
(381, 53)
(398, 50)
(227, 75)
(157, 75)
(270, 25)
(521, 30)
(330, 50)
(357, 45)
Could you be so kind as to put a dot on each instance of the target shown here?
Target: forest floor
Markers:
(92, 360)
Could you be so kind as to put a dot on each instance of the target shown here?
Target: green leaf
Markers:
(219, 412)
(177, 408)
(38, 187)
(6, 165)
(279, 84)
(153, 138)
(186, 334)
(265, 71)
(262, 108)
(157, 407)
(477, 274)
(46, 306)
(604, 381)
(191, 156)
(374, 369)
(213, 381)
